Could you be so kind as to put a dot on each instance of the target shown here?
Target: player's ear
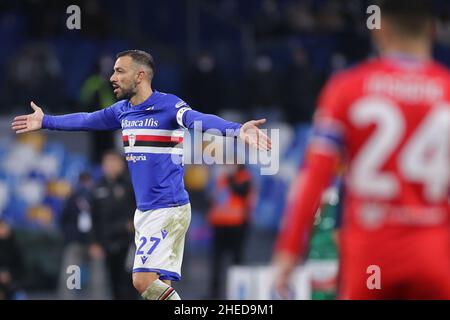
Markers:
(140, 76)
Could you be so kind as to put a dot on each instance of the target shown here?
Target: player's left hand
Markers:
(284, 264)
(252, 135)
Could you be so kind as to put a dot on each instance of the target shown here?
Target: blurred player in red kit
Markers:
(388, 121)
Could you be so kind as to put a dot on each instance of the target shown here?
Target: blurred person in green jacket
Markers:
(96, 92)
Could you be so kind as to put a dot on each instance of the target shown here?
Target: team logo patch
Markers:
(131, 139)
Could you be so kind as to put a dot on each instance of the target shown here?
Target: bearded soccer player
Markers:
(151, 124)
(388, 121)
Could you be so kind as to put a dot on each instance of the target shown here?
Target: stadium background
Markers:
(239, 59)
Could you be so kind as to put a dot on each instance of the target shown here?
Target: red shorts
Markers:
(412, 264)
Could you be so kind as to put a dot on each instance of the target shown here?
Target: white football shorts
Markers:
(159, 238)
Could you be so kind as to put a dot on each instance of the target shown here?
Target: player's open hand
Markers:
(284, 264)
(252, 135)
(28, 122)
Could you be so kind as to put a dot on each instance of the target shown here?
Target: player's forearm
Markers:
(210, 121)
(300, 212)
(82, 121)
(68, 122)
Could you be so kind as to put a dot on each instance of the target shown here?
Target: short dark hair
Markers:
(140, 57)
(409, 17)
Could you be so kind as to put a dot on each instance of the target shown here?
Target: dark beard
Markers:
(127, 95)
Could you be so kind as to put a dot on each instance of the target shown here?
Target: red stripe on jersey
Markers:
(155, 138)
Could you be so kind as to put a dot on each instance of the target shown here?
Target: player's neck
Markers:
(412, 49)
(141, 96)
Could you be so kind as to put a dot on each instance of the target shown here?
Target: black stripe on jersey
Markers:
(161, 144)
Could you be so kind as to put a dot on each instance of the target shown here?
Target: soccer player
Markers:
(151, 124)
(388, 120)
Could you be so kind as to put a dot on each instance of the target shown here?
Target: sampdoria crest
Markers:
(131, 139)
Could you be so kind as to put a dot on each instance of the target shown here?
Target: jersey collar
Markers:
(405, 60)
(150, 101)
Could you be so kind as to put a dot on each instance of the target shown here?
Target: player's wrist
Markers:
(46, 122)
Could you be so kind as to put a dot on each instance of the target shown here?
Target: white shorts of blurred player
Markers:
(159, 238)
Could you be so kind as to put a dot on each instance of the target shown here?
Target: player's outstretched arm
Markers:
(248, 132)
(104, 119)
(28, 122)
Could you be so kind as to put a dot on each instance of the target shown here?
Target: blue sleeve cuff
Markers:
(46, 122)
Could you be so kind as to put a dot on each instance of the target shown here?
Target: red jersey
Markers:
(388, 121)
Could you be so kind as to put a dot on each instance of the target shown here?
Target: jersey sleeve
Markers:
(191, 119)
(105, 119)
(329, 130)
